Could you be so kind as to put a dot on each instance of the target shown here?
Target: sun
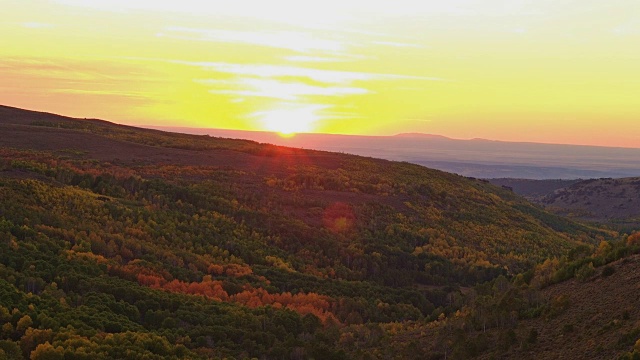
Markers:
(287, 121)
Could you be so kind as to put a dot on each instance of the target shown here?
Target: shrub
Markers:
(585, 272)
(634, 239)
(567, 328)
(608, 271)
(558, 305)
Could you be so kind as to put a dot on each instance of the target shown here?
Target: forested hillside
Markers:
(118, 242)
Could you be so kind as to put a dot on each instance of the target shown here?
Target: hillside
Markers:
(477, 158)
(595, 315)
(533, 190)
(601, 200)
(601, 318)
(184, 246)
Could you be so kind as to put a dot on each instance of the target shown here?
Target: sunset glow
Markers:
(288, 121)
(546, 71)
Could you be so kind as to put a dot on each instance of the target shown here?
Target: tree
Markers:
(634, 239)
(46, 351)
(24, 323)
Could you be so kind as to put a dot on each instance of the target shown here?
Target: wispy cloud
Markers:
(115, 93)
(302, 42)
(95, 77)
(397, 44)
(317, 59)
(319, 75)
(276, 89)
(50, 69)
(300, 92)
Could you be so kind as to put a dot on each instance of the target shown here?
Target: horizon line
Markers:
(160, 127)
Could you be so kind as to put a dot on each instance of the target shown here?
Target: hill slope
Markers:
(234, 248)
(533, 190)
(593, 316)
(476, 158)
(603, 200)
(601, 319)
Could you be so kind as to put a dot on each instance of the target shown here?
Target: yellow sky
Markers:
(546, 70)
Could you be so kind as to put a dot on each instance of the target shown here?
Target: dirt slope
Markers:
(601, 321)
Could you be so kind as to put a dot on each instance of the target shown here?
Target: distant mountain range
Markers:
(474, 158)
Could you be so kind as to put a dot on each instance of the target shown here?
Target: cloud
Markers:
(299, 13)
(318, 59)
(397, 44)
(116, 93)
(290, 84)
(275, 71)
(97, 77)
(50, 69)
(302, 42)
(282, 90)
(305, 12)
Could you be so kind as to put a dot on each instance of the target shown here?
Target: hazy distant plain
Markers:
(475, 158)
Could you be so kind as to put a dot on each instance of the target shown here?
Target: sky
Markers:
(553, 71)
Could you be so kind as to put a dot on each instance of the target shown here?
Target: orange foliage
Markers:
(232, 270)
(216, 269)
(634, 239)
(211, 289)
(309, 303)
(235, 270)
(153, 281)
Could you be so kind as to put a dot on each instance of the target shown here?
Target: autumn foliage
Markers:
(224, 248)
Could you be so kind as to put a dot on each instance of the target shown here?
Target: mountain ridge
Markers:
(473, 158)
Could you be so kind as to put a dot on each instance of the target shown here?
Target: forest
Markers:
(233, 249)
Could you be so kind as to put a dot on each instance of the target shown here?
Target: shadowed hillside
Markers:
(602, 200)
(533, 190)
(594, 315)
(601, 318)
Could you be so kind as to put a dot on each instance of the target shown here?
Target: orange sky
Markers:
(546, 71)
